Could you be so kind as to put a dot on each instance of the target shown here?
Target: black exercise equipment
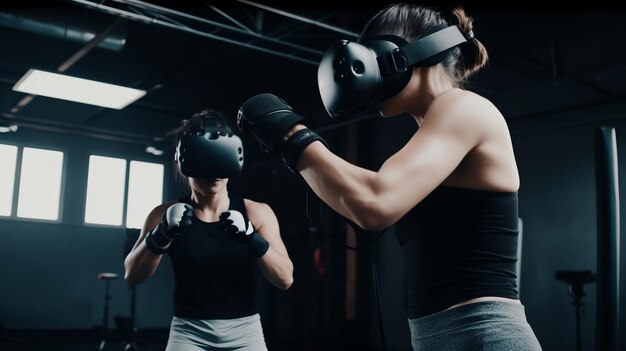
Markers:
(107, 277)
(126, 325)
(576, 281)
(607, 195)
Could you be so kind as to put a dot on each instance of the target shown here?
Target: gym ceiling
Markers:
(548, 69)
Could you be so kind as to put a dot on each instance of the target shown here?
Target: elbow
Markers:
(282, 281)
(374, 218)
(132, 272)
(374, 225)
(285, 284)
(133, 277)
(370, 211)
(131, 280)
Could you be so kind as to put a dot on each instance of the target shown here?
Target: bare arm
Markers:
(276, 265)
(141, 263)
(376, 200)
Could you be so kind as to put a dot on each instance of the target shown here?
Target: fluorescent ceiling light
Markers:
(153, 150)
(6, 128)
(77, 89)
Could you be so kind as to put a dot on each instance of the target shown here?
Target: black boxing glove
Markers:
(233, 223)
(268, 118)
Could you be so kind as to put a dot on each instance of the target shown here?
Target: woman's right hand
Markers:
(173, 223)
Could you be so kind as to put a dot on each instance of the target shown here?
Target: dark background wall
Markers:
(50, 269)
(554, 93)
(557, 204)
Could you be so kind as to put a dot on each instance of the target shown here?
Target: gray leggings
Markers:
(240, 334)
(484, 326)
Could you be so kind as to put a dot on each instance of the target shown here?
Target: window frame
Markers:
(128, 161)
(126, 189)
(124, 194)
(18, 180)
(80, 218)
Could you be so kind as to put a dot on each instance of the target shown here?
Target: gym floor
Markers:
(79, 340)
(90, 340)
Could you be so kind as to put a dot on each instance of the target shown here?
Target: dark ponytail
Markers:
(411, 21)
(473, 54)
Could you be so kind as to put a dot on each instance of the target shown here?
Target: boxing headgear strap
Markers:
(355, 76)
(416, 53)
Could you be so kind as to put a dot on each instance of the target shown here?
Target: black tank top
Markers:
(459, 244)
(214, 274)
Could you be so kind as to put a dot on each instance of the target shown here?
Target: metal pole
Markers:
(607, 193)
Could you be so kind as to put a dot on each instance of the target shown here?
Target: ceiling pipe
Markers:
(150, 20)
(161, 9)
(300, 18)
(50, 27)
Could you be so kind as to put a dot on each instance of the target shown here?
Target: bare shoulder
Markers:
(260, 214)
(458, 105)
(257, 209)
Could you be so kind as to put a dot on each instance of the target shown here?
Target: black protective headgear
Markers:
(211, 152)
(354, 76)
